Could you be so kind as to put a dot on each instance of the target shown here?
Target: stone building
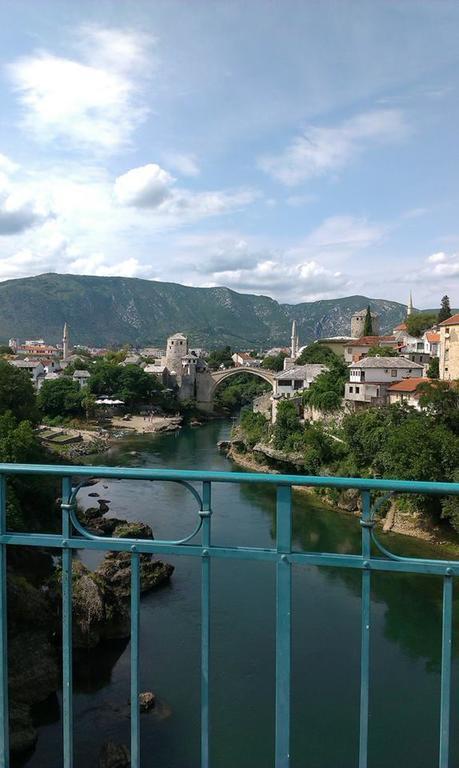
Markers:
(370, 379)
(358, 323)
(449, 348)
(176, 349)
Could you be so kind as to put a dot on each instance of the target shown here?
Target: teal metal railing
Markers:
(75, 536)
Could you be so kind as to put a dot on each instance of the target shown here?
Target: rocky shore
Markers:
(101, 612)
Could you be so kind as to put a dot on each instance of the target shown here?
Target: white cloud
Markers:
(19, 208)
(89, 101)
(151, 187)
(436, 258)
(184, 164)
(444, 265)
(323, 150)
(144, 187)
(345, 232)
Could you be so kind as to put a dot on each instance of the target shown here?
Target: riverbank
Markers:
(395, 521)
(148, 424)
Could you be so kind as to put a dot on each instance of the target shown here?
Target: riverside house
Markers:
(370, 379)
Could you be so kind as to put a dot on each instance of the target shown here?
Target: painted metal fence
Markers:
(199, 544)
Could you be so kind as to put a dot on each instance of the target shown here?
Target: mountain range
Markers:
(104, 311)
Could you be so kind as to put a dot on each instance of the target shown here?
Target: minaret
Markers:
(409, 309)
(65, 343)
(294, 342)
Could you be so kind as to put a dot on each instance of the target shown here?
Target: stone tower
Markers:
(294, 342)
(65, 342)
(358, 323)
(176, 349)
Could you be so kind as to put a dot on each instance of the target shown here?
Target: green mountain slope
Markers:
(112, 310)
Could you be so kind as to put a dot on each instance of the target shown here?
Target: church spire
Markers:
(409, 309)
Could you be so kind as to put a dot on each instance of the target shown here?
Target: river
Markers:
(405, 649)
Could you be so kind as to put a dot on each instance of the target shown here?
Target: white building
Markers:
(296, 379)
(370, 378)
(81, 377)
(34, 368)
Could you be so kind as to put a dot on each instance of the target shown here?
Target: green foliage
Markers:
(61, 397)
(274, 362)
(419, 322)
(80, 364)
(368, 324)
(319, 354)
(105, 378)
(381, 352)
(287, 424)
(220, 357)
(136, 387)
(239, 390)
(441, 400)
(6, 350)
(445, 310)
(17, 393)
(327, 391)
(254, 427)
(433, 371)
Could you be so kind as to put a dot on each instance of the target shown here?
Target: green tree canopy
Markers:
(254, 427)
(368, 324)
(274, 362)
(433, 371)
(445, 310)
(136, 387)
(61, 397)
(219, 357)
(327, 391)
(419, 322)
(377, 351)
(318, 353)
(441, 400)
(287, 424)
(17, 393)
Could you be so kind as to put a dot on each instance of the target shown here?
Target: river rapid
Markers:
(405, 643)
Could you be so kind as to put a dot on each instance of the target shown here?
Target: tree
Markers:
(317, 353)
(6, 350)
(445, 310)
(418, 323)
(433, 371)
(274, 362)
(135, 387)
(368, 324)
(105, 377)
(441, 400)
(17, 393)
(220, 357)
(377, 351)
(327, 391)
(62, 397)
(239, 390)
(254, 427)
(287, 424)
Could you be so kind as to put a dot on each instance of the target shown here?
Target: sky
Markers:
(301, 150)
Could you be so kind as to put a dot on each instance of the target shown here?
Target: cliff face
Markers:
(112, 310)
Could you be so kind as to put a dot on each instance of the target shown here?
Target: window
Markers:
(393, 372)
(357, 390)
(351, 389)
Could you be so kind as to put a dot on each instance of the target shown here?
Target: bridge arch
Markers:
(219, 376)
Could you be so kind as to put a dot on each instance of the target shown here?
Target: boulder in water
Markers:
(147, 700)
(114, 756)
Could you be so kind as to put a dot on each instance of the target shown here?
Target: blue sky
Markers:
(301, 150)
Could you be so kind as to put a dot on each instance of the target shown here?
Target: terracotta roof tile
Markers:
(453, 320)
(408, 385)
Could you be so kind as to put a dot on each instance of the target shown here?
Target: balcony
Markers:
(198, 544)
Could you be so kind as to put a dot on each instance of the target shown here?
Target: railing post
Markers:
(135, 621)
(67, 636)
(446, 651)
(4, 715)
(283, 625)
(205, 623)
(366, 523)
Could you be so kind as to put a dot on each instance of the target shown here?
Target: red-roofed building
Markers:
(406, 391)
(358, 349)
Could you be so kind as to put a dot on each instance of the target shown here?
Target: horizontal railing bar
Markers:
(133, 473)
(56, 541)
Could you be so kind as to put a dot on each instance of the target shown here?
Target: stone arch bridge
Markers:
(208, 381)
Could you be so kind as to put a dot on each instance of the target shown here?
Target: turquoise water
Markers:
(405, 652)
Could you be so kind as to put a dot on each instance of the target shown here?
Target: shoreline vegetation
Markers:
(396, 521)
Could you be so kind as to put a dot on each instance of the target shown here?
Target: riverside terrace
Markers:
(199, 544)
